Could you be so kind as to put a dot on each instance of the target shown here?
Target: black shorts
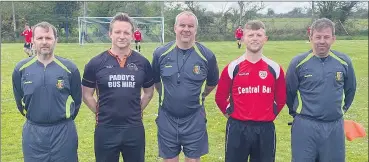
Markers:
(249, 138)
(111, 141)
(27, 45)
(136, 41)
(238, 38)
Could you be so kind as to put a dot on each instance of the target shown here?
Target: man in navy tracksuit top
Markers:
(118, 75)
(181, 68)
(318, 82)
(47, 91)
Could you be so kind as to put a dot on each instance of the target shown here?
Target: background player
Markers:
(308, 33)
(27, 34)
(138, 38)
(238, 35)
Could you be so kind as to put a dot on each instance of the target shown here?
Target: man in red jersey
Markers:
(308, 34)
(238, 35)
(251, 93)
(138, 38)
(27, 33)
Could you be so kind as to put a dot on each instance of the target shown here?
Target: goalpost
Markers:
(96, 29)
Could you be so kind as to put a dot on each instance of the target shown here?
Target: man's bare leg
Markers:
(191, 160)
(175, 159)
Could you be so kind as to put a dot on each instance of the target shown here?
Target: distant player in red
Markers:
(138, 38)
(251, 92)
(308, 34)
(238, 35)
(27, 34)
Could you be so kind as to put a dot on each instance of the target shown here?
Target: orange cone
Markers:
(353, 130)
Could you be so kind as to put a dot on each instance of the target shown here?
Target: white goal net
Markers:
(96, 29)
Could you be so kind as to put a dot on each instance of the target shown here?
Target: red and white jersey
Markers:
(308, 30)
(258, 89)
(137, 35)
(27, 35)
(238, 33)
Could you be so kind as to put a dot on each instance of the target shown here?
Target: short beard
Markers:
(253, 51)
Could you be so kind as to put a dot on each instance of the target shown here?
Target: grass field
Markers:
(282, 52)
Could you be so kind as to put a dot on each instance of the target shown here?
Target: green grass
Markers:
(282, 52)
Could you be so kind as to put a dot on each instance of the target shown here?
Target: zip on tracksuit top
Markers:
(47, 95)
(316, 87)
(251, 91)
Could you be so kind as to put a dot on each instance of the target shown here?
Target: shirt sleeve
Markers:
(349, 86)
(89, 75)
(280, 91)
(17, 90)
(76, 91)
(223, 90)
(213, 72)
(149, 80)
(292, 83)
(156, 67)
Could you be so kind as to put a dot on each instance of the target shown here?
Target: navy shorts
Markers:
(44, 143)
(136, 41)
(188, 133)
(314, 140)
(249, 139)
(111, 141)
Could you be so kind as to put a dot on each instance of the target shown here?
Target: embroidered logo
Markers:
(242, 74)
(196, 69)
(263, 74)
(60, 84)
(339, 76)
(132, 67)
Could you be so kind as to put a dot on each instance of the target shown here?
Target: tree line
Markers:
(213, 26)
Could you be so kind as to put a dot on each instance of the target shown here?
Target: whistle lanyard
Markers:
(184, 61)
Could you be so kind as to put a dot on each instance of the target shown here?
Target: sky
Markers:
(278, 7)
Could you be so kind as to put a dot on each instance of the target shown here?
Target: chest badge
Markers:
(60, 84)
(196, 69)
(339, 76)
(263, 74)
(132, 67)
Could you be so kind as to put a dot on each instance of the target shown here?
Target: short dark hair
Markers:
(322, 23)
(46, 26)
(121, 17)
(254, 25)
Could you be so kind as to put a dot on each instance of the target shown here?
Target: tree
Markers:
(248, 10)
(270, 12)
(337, 11)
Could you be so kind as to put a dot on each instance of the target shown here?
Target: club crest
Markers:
(196, 69)
(132, 67)
(60, 84)
(263, 74)
(339, 76)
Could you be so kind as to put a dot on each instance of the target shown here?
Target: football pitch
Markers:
(280, 51)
